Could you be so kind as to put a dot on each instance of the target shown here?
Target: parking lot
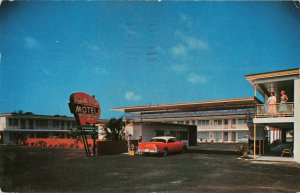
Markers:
(206, 168)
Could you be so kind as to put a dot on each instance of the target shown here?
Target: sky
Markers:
(130, 53)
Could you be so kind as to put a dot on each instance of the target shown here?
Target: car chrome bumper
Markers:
(141, 151)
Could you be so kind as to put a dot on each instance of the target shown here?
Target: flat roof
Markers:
(49, 117)
(31, 115)
(203, 105)
(295, 71)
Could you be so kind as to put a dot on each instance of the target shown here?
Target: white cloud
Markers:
(188, 44)
(195, 78)
(179, 50)
(191, 42)
(183, 17)
(31, 43)
(131, 96)
(186, 20)
(130, 29)
(92, 47)
(179, 68)
(195, 43)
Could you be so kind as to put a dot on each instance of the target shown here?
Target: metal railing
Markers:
(276, 110)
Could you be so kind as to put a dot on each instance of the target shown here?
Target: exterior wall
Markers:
(297, 120)
(2, 123)
(28, 127)
(148, 131)
(137, 131)
(232, 131)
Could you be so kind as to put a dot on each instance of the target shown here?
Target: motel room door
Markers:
(233, 136)
(225, 137)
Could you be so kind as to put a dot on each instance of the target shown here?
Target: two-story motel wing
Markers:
(20, 126)
(289, 120)
(215, 120)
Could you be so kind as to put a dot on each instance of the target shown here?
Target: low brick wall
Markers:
(57, 142)
(111, 147)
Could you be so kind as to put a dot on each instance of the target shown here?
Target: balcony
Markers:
(265, 110)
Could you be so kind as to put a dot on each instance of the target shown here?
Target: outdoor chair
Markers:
(287, 151)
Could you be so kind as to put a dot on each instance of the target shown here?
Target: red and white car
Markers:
(162, 145)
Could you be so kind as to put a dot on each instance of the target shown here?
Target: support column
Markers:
(297, 120)
(254, 142)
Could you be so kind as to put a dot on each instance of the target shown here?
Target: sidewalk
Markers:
(271, 158)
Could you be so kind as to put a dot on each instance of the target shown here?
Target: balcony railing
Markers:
(276, 110)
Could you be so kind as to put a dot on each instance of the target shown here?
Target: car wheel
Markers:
(184, 149)
(165, 152)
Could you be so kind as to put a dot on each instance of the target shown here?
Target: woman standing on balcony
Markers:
(272, 104)
(283, 100)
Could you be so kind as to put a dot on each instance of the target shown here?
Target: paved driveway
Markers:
(26, 169)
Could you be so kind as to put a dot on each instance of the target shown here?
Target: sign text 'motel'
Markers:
(85, 108)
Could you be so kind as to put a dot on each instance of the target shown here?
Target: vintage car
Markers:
(162, 145)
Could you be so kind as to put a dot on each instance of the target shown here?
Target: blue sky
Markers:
(139, 53)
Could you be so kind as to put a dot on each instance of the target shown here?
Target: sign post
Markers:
(86, 110)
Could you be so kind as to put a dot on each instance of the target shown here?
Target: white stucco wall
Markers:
(297, 120)
(2, 123)
(149, 131)
(137, 131)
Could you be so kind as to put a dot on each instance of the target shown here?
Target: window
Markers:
(41, 123)
(172, 140)
(225, 121)
(218, 122)
(13, 122)
(180, 135)
(180, 122)
(187, 122)
(69, 125)
(158, 140)
(56, 124)
(242, 134)
(242, 121)
(159, 133)
(62, 125)
(203, 135)
(74, 124)
(23, 123)
(31, 124)
(193, 122)
(233, 121)
(218, 135)
(203, 122)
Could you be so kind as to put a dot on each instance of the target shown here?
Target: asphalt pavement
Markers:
(205, 168)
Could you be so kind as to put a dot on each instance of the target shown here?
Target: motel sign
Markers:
(85, 108)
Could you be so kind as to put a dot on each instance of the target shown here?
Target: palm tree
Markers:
(114, 129)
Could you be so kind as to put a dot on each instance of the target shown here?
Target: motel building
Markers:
(215, 121)
(282, 127)
(17, 127)
(231, 120)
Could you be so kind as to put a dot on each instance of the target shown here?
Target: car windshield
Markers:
(158, 140)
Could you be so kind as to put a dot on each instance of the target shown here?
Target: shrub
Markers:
(243, 149)
(41, 143)
(62, 145)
